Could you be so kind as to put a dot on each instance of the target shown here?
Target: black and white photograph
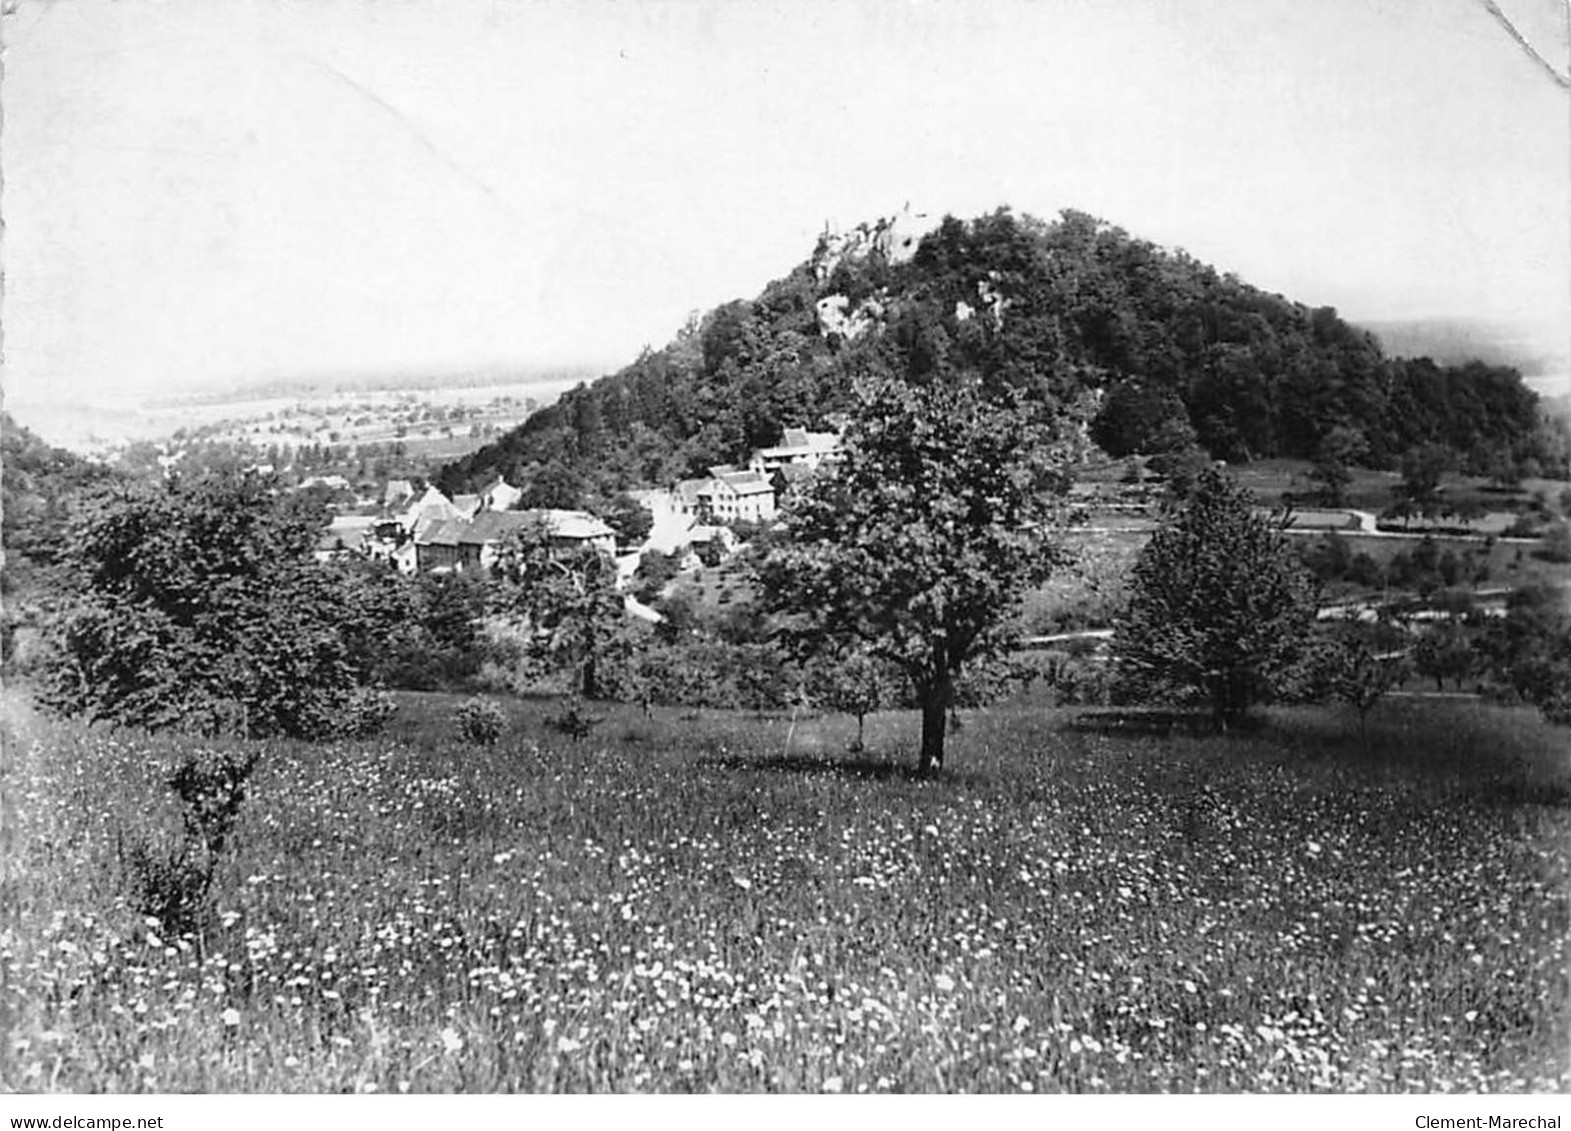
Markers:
(885, 547)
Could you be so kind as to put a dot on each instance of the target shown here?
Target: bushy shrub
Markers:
(1364, 570)
(655, 570)
(368, 711)
(480, 722)
(195, 605)
(420, 633)
(1523, 526)
(1079, 680)
(572, 721)
(169, 877)
(1556, 546)
(165, 882)
(1557, 708)
(1327, 557)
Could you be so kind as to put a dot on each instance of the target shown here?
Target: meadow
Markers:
(1085, 901)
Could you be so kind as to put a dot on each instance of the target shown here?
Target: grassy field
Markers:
(1503, 564)
(729, 902)
(1373, 490)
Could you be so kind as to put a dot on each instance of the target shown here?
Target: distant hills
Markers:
(1166, 349)
(330, 384)
(101, 424)
(1456, 341)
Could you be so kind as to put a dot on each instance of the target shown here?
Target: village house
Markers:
(671, 517)
(327, 482)
(398, 492)
(345, 536)
(735, 494)
(422, 535)
(685, 496)
(788, 479)
(730, 495)
(425, 513)
(499, 495)
(475, 545)
(798, 447)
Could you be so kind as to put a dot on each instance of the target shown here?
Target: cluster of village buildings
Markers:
(427, 531)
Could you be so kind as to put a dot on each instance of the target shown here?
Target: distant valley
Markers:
(300, 412)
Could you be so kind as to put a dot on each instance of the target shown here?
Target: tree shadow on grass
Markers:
(1159, 721)
(1517, 792)
(868, 769)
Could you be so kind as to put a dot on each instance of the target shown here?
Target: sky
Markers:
(200, 192)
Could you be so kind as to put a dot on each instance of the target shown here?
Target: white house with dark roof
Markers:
(738, 496)
(431, 507)
(797, 446)
(685, 495)
(499, 495)
(398, 492)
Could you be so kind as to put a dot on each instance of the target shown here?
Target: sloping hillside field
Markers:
(1084, 902)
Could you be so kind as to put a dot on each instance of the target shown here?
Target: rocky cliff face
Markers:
(895, 238)
(837, 317)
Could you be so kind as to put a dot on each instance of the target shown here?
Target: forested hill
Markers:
(1070, 306)
(38, 486)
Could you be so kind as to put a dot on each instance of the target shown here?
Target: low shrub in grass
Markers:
(480, 722)
(1557, 709)
(572, 720)
(1079, 679)
(367, 713)
(169, 875)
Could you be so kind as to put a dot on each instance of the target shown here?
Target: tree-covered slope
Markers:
(1169, 347)
(39, 484)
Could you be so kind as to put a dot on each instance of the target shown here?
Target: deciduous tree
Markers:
(856, 685)
(1360, 676)
(567, 599)
(1220, 605)
(1338, 450)
(1423, 468)
(196, 605)
(918, 546)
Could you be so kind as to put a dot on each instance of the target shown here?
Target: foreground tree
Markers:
(920, 543)
(196, 605)
(1529, 651)
(1358, 674)
(421, 632)
(631, 520)
(1220, 605)
(567, 600)
(856, 685)
(1445, 652)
